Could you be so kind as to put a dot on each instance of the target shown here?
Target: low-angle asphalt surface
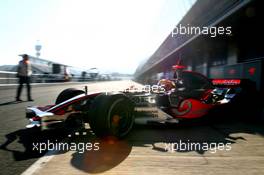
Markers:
(147, 149)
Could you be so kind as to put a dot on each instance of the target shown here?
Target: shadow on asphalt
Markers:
(179, 138)
(11, 103)
(28, 138)
(113, 151)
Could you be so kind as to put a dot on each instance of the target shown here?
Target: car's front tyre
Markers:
(111, 115)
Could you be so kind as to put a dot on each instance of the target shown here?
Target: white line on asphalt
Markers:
(39, 163)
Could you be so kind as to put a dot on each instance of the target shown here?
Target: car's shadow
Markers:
(112, 151)
(187, 138)
(28, 138)
(21, 143)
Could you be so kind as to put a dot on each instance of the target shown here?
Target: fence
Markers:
(11, 78)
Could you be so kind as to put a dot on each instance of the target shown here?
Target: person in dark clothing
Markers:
(24, 73)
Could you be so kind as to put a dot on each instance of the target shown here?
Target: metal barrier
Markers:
(11, 78)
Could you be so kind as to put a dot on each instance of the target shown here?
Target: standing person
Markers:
(23, 73)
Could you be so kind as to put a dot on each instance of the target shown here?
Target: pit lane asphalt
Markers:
(15, 156)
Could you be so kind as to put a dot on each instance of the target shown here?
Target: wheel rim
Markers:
(121, 119)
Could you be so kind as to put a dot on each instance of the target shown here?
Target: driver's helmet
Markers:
(178, 67)
(166, 84)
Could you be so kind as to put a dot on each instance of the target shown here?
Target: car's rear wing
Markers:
(226, 82)
(243, 83)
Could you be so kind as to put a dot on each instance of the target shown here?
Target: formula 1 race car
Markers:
(188, 95)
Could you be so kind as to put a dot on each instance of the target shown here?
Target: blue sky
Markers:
(112, 35)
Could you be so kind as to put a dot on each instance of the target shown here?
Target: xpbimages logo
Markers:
(194, 30)
(197, 146)
(65, 146)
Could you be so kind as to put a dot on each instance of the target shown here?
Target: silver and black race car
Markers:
(188, 96)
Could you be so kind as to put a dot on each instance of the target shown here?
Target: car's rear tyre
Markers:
(67, 94)
(111, 115)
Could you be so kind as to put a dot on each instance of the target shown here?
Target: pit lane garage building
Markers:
(236, 55)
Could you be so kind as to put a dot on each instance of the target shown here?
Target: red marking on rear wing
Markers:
(226, 82)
